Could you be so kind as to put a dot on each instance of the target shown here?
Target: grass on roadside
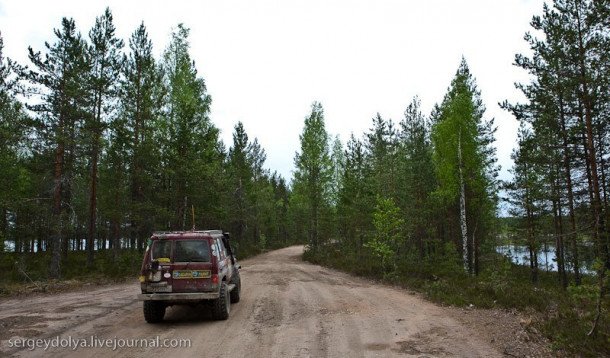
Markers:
(28, 272)
(24, 273)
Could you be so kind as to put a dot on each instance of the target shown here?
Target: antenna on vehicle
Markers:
(193, 211)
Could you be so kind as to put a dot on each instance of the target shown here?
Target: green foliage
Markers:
(392, 205)
(312, 177)
(571, 320)
(526, 192)
(136, 127)
(256, 201)
(464, 159)
(105, 61)
(382, 150)
(388, 234)
(500, 277)
(188, 139)
(338, 160)
(120, 146)
(262, 241)
(448, 260)
(416, 178)
(16, 179)
(356, 195)
(563, 111)
(35, 265)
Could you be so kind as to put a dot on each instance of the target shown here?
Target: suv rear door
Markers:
(191, 268)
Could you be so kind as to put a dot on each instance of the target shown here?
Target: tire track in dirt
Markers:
(289, 308)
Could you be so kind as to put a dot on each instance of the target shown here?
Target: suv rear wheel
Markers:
(236, 292)
(223, 303)
(154, 311)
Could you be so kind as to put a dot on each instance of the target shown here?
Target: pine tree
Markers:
(417, 177)
(313, 173)
(105, 58)
(279, 214)
(240, 182)
(357, 196)
(14, 131)
(113, 187)
(381, 145)
(259, 195)
(58, 85)
(566, 66)
(586, 36)
(526, 193)
(140, 104)
(567, 98)
(189, 139)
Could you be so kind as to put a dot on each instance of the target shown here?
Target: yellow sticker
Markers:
(180, 274)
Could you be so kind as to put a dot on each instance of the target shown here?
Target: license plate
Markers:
(182, 274)
(165, 288)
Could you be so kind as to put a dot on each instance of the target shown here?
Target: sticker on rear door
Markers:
(179, 274)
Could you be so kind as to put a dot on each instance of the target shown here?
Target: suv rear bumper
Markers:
(185, 297)
(178, 297)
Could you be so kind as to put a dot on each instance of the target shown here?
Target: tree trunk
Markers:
(93, 194)
(530, 236)
(419, 230)
(56, 224)
(475, 249)
(599, 218)
(559, 249)
(604, 182)
(568, 175)
(115, 235)
(463, 226)
(136, 170)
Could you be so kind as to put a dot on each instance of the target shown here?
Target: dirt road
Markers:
(289, 308)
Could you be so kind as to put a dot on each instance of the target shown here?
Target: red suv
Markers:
(189, 268)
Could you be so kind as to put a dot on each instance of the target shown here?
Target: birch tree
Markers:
(465, 162)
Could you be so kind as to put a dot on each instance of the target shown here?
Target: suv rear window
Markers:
(161, 249)
(191, 250)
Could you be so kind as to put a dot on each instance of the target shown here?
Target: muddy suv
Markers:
(189, 268)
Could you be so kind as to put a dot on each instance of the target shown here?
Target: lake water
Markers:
(547, 260)
(9, 246)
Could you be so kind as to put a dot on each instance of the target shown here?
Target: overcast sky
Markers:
(265, 62)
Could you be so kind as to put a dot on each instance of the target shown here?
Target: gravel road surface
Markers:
(289, 308)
